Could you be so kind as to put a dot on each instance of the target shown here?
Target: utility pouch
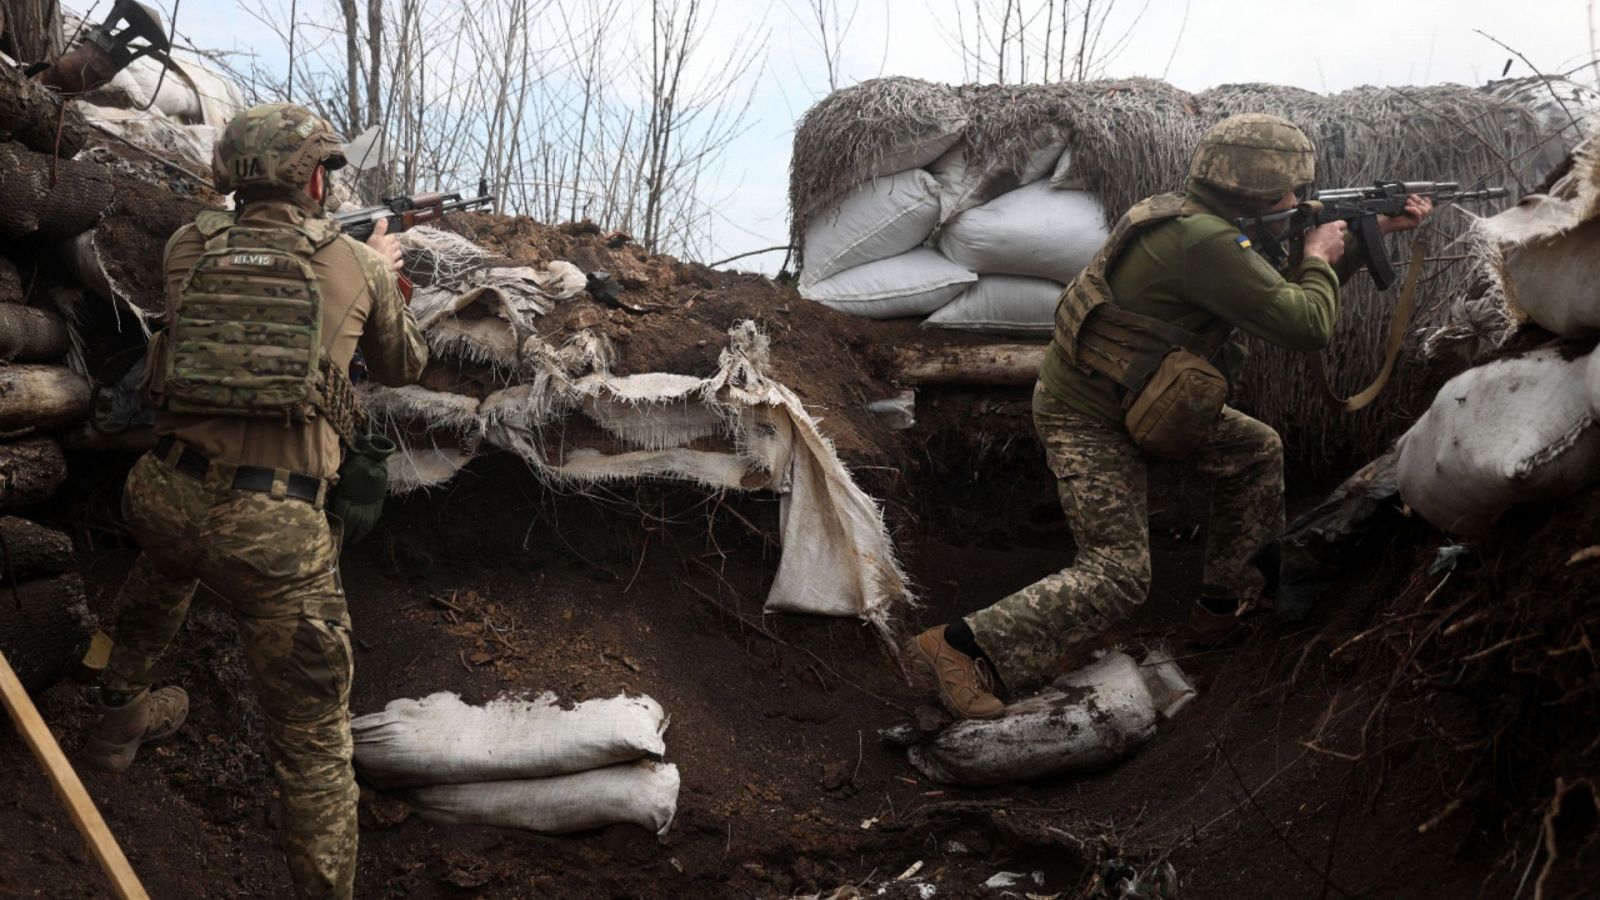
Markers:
(1178, 407)
(357, 499)
(1172, 394)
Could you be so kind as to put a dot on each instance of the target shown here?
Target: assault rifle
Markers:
(1361, 207)
(407, 211)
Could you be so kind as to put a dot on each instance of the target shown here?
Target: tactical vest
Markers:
(245, 338)
(1126, 346)
(1173, 396)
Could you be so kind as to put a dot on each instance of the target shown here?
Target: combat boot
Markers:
(118, 731)
(1216, 621)
(965, 685)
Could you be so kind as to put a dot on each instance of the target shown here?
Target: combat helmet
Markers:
(274, 147)
(1256, 156)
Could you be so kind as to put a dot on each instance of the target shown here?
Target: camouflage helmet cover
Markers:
(275, 145)
(1254, 155)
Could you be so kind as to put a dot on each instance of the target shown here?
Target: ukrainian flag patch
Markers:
(1243, 242)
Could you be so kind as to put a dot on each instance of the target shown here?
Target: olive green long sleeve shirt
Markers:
(1192, 272)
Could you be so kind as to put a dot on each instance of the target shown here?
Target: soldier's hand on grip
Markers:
(1326, 242)
(386, 244)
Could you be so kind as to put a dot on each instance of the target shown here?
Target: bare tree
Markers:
(1044, 40)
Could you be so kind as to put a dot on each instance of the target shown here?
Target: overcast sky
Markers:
(1195, 44)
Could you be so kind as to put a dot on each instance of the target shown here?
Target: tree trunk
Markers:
(41, 397)
(30, 550)
(30, 114)
(374, 63)
(31, 335)
(44, 628)
(996, 364)
(352, 65)
(32, 29)
(30, 471)
(58, 198)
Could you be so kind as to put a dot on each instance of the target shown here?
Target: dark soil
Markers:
(1314, 763)
(774, 719)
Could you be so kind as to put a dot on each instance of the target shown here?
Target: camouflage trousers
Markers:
(1100, 476)
(275, 561)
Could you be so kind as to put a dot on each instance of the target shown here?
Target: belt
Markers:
(260, 479)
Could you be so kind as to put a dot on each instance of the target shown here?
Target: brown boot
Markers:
(1215, 621)
(965, 685)
(118, 731)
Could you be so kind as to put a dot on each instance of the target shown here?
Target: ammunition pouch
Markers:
(1173, 396)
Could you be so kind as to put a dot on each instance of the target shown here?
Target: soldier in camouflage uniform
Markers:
(266, 306)
(1181, 260)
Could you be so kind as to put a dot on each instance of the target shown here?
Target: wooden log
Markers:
(41, 398)
(30, 471)
(30, 550)
(982, 364)
(11, 288)
(57, 198)
(30, 113)
(32, 29)
(31, 335)
(44, 628)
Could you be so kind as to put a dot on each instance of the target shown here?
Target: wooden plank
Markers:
(980, 364)
(68, 787)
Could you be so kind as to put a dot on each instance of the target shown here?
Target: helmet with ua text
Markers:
(275, 146)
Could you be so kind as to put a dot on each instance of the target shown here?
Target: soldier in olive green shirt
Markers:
(1192, 270)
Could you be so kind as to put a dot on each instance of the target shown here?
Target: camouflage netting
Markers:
(845, 138)
(1129, 139)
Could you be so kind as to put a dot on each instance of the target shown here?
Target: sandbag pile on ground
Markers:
(1083, 721)
(1029, 176)
(497, 381)
(534, 765)
(1524, 429)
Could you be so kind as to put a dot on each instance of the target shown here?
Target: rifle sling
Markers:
(1399, 321)
(1129, 347)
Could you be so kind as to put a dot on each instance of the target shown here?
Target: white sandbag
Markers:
(911, 284)
(1066, 177)
(1556, 280)
(964, 184)
(189, 92)
(1001, 304)
(880, 218)
(1035, 231)
(1513, 431)
(441, 740)
(643, 794)
(1084, 721)
(1543, 250)
(920, 151)
(154, 130)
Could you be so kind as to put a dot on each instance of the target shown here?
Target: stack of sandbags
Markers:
(980, 236)
(1523, 429)
(44, 620)
(523, 764)
(1083, 721)
(39, 395)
